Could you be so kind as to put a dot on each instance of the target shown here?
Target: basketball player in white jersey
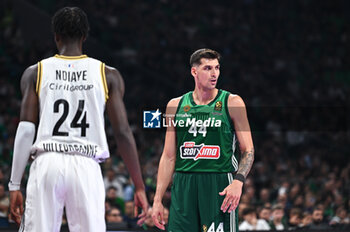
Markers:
(64, 98)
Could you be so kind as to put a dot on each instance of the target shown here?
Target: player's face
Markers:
(207, 73)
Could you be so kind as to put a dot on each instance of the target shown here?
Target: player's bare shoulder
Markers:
(174, 102)
(172, 105)
(29, 77)
(235, 100)
(114, 79)
(236, 107)
(112, 72)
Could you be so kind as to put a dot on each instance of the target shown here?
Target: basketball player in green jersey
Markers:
(203, 129)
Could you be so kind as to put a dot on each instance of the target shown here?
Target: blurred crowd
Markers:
(287, 59)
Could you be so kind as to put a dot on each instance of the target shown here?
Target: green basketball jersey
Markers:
(205, 136)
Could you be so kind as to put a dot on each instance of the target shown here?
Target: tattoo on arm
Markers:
(246, 163)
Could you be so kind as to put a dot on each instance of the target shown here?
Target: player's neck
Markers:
(71, 49)
(204, 97)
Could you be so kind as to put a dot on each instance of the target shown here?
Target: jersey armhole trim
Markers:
(38, 78)
(104, 82)
(178, 106)
(227, 111)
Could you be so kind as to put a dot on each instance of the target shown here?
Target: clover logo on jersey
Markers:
(189, 150)
(151, 119)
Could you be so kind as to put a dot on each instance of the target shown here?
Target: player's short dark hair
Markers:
(203, 53)
(70, 23)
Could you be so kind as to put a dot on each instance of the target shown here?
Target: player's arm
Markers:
(123, 135)
(238, 114)
(166, 166)
(239, 117)
(24, 139)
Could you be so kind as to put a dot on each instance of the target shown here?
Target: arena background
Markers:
(289, 61)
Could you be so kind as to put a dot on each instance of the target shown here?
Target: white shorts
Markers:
(60, 180)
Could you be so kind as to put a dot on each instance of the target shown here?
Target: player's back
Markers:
(72, 92)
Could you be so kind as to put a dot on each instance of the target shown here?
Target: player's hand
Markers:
(140, 200)
(158, 215)
(233, 194)
(16, 206)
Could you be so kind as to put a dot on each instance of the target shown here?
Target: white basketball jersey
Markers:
(72, 93)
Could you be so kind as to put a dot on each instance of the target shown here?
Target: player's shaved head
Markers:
(70, 23)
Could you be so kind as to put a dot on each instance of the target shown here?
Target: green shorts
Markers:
(195, 203)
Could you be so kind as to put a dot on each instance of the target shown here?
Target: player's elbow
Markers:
(248, 150)
(123, 133)
(169, 157)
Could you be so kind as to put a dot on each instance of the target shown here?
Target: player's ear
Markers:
(194, 71)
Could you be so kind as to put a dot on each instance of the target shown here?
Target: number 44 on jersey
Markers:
(212, 228)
